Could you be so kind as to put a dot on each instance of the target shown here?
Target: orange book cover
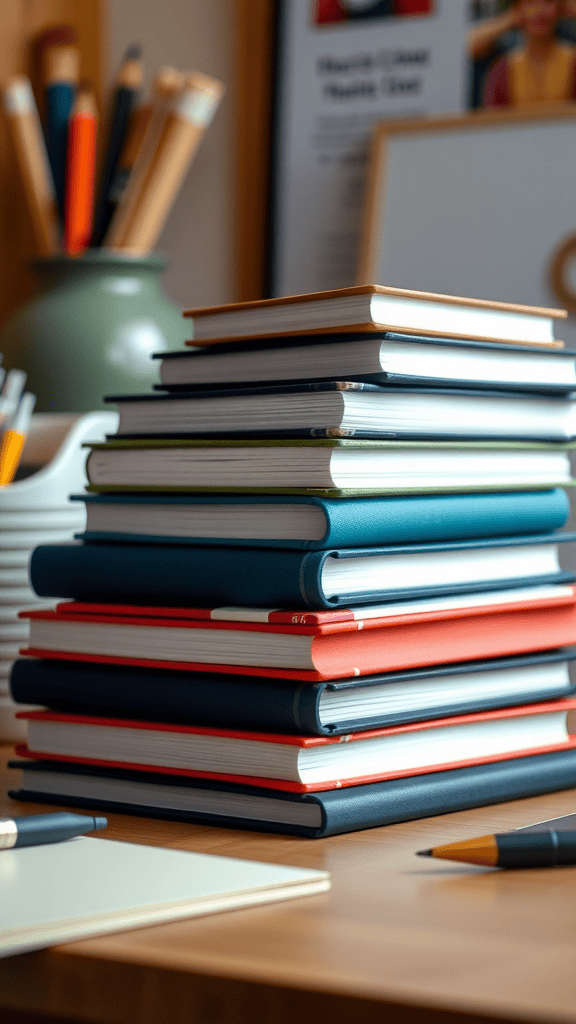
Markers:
(356, 647)
(162, 732)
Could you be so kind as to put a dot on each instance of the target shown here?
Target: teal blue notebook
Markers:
(313, 523)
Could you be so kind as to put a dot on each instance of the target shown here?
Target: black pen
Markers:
(128, 84)
(36, 829)
(511, 850)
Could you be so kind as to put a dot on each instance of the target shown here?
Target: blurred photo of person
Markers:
(538, 68)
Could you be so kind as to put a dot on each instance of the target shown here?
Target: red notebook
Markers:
(305, 645)
(302, 764)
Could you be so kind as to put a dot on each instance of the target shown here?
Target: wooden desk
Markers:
(420, 940)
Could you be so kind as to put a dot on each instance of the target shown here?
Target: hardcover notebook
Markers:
(347, 409)
(284, 705)
(312, 815)
(301, 764)
(385, 358)
(373, 307)
(64, 891)
(310, 646)
(169, 574)
(312, 523)
(329, 467)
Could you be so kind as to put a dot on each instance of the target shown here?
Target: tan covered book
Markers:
(371, 307)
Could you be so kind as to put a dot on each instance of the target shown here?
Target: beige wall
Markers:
(199, 234)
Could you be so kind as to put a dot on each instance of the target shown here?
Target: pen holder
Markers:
(91, 328)
(36, 510)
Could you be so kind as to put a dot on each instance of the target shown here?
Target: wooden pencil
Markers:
(128, 84)
(37, 181)
(60, 61)
(165, 86)
(81, 165)
(190, 114)
(139, 121)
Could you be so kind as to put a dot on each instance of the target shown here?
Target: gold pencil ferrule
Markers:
(8, 833)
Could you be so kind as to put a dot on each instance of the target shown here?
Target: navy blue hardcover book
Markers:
(314, 523)
(346, 409)
(210, 576)
(312, 815)
(289, 706)
(336, 355)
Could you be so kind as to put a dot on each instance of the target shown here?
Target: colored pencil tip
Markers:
(134, 52)
(424, 853)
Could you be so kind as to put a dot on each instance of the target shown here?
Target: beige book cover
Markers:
(350, 309)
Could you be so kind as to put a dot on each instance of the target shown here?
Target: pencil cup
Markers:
(91, 328)
(36, 510)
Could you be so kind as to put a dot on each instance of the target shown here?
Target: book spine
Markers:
(421, 796)
(367, 522)
(192, 698)
(402, 646)
(348, 810)
(170, 575)
(441, 517)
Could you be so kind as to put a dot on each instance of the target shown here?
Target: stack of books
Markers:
(321, 584)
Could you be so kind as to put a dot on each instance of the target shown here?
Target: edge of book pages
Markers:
(384, 443)
(320, 492)
(369, 328)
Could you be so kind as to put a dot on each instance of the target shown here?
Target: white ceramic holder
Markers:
(37, 510)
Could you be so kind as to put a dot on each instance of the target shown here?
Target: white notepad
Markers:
(64, 891)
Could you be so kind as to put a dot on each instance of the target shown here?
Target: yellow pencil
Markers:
(14, 438)
(190, 114)
(517, 849)
(37, 181)
(165, 86)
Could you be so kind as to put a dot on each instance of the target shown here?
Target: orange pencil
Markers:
(80, 170)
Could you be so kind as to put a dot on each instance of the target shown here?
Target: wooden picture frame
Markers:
(420, 205)
(255, 40)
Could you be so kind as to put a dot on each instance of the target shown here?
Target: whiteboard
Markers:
(475, 205)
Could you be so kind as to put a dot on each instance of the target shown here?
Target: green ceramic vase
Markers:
(91, 328)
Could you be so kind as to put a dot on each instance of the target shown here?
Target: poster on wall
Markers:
(344, 65)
